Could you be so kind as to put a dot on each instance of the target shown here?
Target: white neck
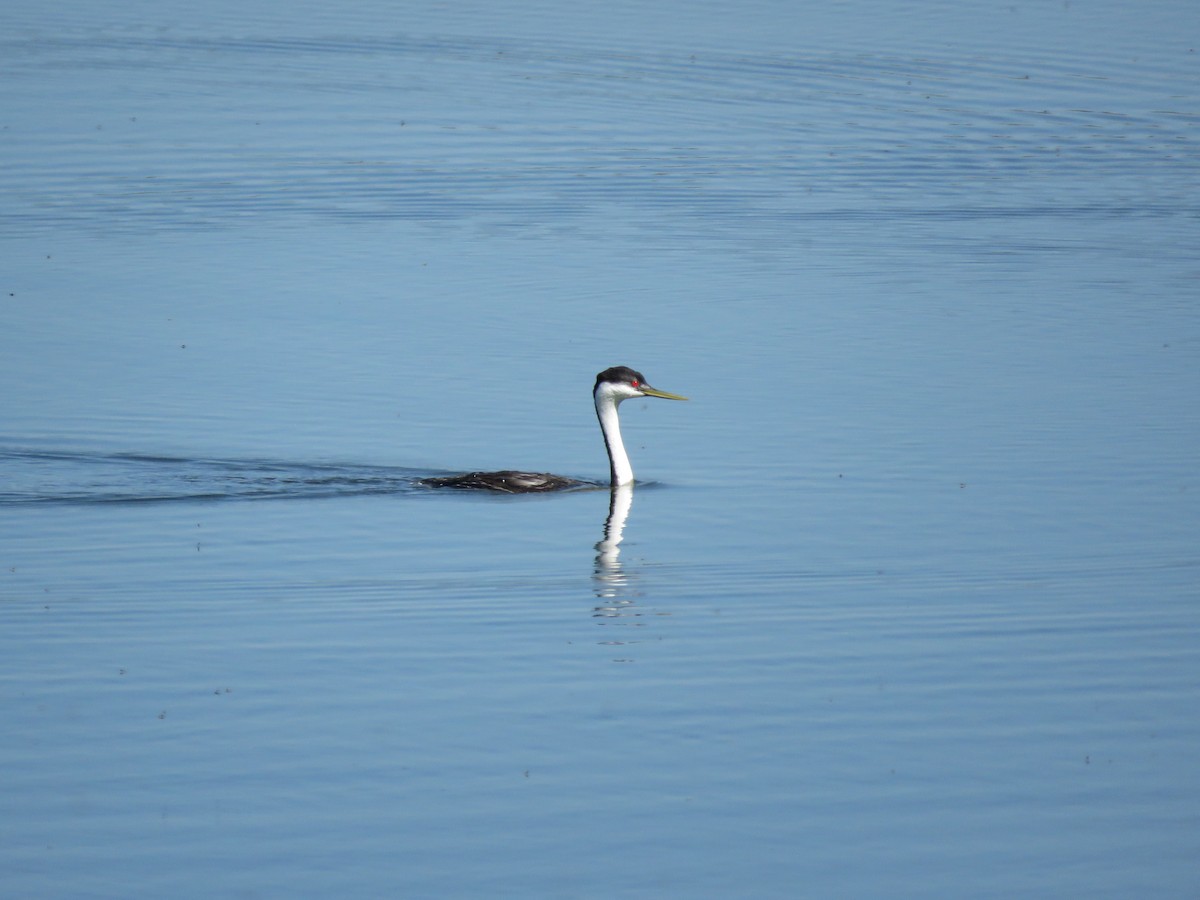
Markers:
(610, 424)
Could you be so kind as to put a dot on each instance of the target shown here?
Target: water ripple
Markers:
(434, 128)
(33, 476)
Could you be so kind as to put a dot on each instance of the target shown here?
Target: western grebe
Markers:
(612, 386)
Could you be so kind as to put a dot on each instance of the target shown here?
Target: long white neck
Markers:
(618, 459)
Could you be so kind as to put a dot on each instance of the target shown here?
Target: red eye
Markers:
(635, 383)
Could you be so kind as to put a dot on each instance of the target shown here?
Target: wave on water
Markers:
(48, 476)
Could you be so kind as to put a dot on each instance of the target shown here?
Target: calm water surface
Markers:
(905, 603)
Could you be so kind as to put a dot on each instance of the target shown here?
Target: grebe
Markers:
(612, 386)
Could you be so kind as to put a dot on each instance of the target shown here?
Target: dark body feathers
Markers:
(507, 482)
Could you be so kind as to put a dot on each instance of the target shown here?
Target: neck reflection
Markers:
(613, 585)
(608, 549)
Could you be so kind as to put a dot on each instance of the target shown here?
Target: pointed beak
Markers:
(655, 392)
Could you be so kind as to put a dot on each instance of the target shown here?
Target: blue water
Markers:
(906, 601)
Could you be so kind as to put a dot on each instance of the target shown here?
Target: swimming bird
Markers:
(612, 386)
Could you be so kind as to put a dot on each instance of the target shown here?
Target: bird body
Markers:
(612, 386)
(507, 481)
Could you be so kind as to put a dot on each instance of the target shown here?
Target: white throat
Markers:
(606, 411)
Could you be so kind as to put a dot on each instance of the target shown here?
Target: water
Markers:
(905, 602)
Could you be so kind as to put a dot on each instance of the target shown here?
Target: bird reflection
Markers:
(614, 586)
